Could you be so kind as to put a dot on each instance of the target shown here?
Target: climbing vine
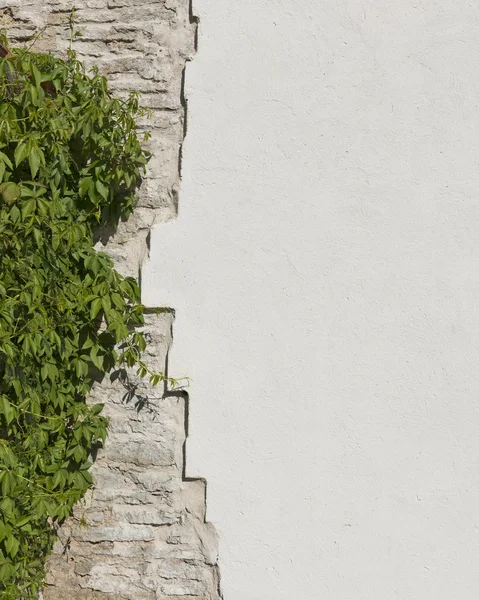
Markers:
(70, 161)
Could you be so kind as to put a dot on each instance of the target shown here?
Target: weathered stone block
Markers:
(123, 532)
(146, 515)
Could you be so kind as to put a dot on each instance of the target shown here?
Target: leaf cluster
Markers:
(70, 161)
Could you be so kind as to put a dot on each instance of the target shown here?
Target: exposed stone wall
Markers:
(142, 533)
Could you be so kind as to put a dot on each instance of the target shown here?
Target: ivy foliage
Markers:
(70, 160)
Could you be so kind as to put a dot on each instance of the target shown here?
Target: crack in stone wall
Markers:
(142, 533)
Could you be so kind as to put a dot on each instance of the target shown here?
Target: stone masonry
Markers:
(142, 533)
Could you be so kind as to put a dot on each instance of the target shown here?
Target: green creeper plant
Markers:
(70, 161)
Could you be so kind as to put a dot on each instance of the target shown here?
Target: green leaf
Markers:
(6, 409)
(87, 477)
(37, 235)
(34, 94)
(106, 304)
(21, 153)
(15, 214)
(10, 192)
(85, 185)
(95, 359)
(28, 208)
(24, 520)
(34, 161)
(81, 368)
(6, 483)
(4, 158)
(6, 570)
(58, 479)
(37, 76)
(102, 189)
(95, 308)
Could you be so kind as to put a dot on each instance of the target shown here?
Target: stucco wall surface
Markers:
(324, 269)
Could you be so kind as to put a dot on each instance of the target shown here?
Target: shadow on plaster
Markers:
(194, 20)
(182, 393)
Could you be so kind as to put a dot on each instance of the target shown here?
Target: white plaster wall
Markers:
(325, 272)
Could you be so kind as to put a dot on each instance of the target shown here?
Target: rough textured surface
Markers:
(142, 533)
